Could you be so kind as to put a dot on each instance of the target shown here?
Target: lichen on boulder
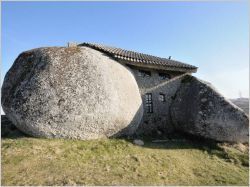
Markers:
(200, 110)
(74, 92)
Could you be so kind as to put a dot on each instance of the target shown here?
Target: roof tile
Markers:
(139, 58)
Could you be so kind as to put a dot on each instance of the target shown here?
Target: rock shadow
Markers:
(9, 130)
(176, 140)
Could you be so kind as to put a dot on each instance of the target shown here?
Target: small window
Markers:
(162, 97)
(164, 76)
(149, 103)
(142, 73)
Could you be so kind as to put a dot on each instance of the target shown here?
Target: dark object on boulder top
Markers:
(200, 110)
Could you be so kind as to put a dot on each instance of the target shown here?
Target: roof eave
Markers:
(142, 63)
(159, 67)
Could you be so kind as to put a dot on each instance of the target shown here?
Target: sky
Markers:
(213, 36)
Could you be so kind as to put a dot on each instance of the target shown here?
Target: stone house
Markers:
(91, 91)
(153, 75)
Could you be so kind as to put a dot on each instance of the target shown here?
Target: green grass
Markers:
(32, 161)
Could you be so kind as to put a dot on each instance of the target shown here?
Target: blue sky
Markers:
(211, 35)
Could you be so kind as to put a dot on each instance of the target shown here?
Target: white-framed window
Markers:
(142, 73)
(162, 97)
(149, 103)
(164, 76)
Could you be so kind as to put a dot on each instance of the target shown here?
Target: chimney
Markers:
(72, 44)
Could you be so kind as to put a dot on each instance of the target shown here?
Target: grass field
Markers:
(33, 161)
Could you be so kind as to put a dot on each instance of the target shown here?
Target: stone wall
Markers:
(147, 83)
(191, 105)
(159, 120)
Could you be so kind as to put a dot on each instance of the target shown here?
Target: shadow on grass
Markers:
(209, 147)
(179, 140)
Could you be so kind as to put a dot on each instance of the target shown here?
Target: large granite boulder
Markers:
(74, 92)
(199, 109)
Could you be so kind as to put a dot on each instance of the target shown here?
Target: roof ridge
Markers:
(138, 57)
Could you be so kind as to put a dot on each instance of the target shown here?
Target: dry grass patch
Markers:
(32, 161)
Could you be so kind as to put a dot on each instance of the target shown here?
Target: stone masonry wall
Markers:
(160, 120)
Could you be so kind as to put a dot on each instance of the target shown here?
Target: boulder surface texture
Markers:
(74, 92)
(199, 109)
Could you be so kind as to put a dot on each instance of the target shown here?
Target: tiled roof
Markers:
(141, 59)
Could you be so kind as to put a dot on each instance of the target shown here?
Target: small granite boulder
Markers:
(199, 109)
(138, 142)
(74, 92)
